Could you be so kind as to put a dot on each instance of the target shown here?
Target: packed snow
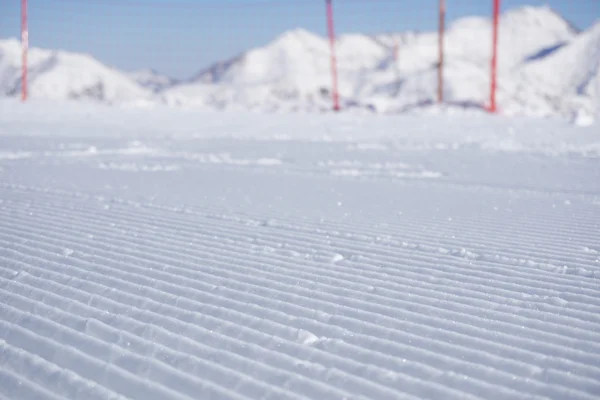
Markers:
(184, 254)
(546, 68)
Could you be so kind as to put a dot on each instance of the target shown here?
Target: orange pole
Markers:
(494, 67)
(334, 77)
(24, 49)
(442, 29)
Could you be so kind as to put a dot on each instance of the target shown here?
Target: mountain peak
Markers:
(65, 75)
(296, 38)
(145, 71)
(298, 34)
(10, 45)
(541, 16)
(11, 41)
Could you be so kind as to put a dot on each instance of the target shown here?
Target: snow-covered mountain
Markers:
(546, 67)
(66, 75)
(153, 80)
(570, 76)
(294, 69)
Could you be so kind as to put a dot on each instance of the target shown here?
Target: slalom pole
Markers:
(334, 77)
(24, 49)
(441, 33)
(494, 67)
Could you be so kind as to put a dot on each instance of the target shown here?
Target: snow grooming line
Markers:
(312, 286)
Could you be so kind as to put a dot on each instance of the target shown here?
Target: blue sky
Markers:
(179, 37)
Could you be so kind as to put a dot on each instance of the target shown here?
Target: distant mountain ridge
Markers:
(66, 75)
(546, 67)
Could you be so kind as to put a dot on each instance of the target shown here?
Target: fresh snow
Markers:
(186, 254)
(546, 68)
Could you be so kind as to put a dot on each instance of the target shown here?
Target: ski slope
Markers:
(172, 254)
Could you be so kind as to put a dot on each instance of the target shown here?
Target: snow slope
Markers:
(173, 254)
(65, 75)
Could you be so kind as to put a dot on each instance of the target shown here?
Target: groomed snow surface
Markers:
(170, 254)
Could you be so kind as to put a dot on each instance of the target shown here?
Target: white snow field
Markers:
(172, 254)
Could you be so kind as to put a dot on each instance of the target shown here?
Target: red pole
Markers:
(335, 94)
(24, 49)
(494, 69)
(442, 29)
